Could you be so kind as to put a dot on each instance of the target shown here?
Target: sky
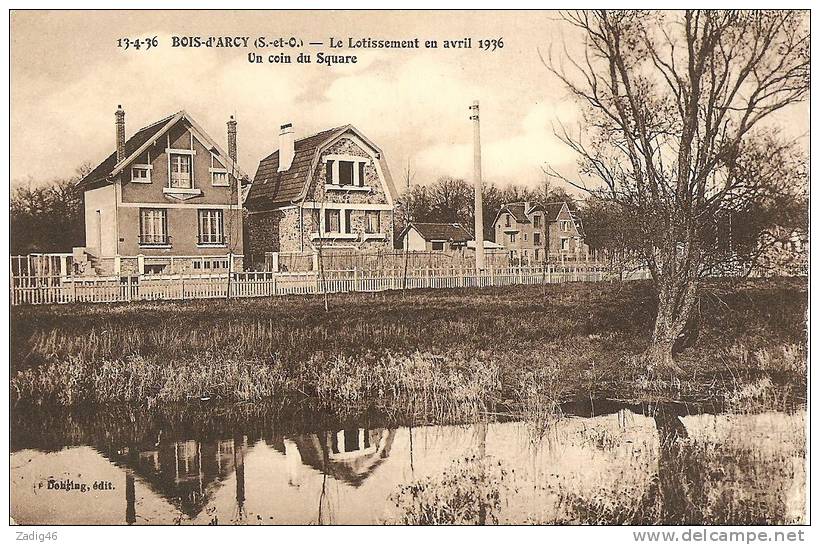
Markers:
(68, 76)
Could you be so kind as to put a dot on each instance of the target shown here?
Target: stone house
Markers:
(167, 200)
(329, 191)
(532, 232)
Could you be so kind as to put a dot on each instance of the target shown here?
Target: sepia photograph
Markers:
(410, 267)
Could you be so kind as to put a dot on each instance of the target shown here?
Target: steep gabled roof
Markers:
(518, 210)
(144, 138)
(552, 209)
(521, 213)
(145, 134)
(271, 187)
(579, 225)
(452, 232)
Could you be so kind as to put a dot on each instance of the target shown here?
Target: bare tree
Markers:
(673, 101)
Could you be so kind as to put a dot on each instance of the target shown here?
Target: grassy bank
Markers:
(529, 345)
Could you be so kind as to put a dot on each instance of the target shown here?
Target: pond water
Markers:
(590, 465)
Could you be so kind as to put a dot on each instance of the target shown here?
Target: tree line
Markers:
(47, 217)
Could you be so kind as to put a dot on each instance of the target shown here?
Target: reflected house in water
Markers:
(639, 455)
(349, 455)
(187, 473)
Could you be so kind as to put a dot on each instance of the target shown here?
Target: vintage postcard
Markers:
(368, 267)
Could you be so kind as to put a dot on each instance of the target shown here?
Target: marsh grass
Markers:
(471, 490)
(528, 346)
(768, 378)
(704, 483)
(422, 378)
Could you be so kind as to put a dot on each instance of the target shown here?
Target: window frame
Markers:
(141, 167)
(212, 220)
(565, 243)
(149, 219)
(345, 164)
(339, 165)
(328, 223)
(220, 172)
(369, 229)
(189, 158)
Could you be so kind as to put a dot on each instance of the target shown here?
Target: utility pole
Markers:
(479, 190)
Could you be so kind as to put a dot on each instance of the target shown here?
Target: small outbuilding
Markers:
(441, 237)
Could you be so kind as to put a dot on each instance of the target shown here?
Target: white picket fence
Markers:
(39, 290)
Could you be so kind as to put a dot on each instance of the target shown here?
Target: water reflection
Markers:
(167, 469)
(186, 473)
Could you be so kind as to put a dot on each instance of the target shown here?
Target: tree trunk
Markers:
(676, 298)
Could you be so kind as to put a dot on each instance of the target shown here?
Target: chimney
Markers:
(527, 206)
(285, 146)
(119, 115)
(232, 139)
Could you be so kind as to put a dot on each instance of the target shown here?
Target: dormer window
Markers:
(141, 174)
(345, 171)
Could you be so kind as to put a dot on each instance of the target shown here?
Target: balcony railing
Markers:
(211, 239)
(154, 240)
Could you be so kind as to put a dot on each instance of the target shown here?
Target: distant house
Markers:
(441, 237)
(534, 232)
(167, 200)
(783, 252)
(329, 190)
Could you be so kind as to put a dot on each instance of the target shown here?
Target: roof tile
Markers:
(276, 187)
(104, 169)
(454, 232)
